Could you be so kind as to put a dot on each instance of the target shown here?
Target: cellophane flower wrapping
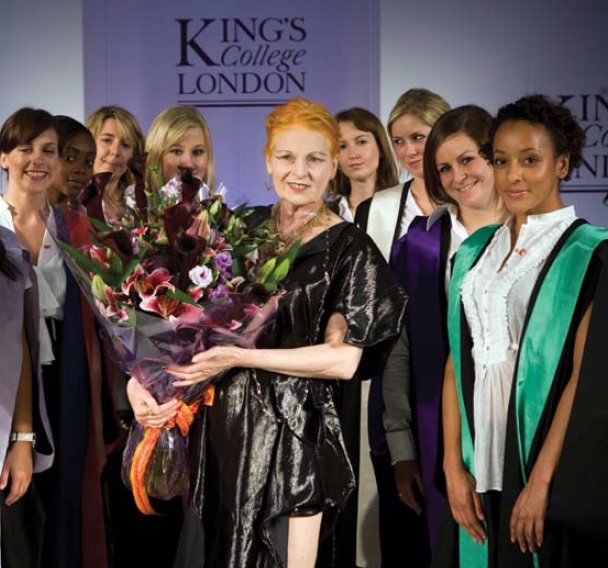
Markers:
(179, 273)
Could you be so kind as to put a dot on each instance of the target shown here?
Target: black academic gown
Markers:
(577, 515)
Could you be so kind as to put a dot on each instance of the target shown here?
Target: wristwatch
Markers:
(23, 437)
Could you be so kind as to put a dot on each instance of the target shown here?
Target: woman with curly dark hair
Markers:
(523, 382)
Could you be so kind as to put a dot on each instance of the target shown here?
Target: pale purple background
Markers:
(487, 53)
(131, 50)
(492, 52)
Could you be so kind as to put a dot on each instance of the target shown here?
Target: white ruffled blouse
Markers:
(495, 294)
(51, 279)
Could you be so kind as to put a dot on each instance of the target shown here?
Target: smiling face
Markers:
(465, 175)
(301, 166)
(113, 149)
(190, 151)
(31, 167)
(75, 165)
(526, 170)
(409, 135)
(359, 155)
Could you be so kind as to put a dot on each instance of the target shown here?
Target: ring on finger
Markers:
(150, 412)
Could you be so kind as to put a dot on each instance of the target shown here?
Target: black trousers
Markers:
(404, 537)
(22, 530)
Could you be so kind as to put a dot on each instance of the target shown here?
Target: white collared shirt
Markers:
(344, 209)
(410, 212)
(495, 294)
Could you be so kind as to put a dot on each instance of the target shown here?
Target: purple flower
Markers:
(221, 291)
(223, 262)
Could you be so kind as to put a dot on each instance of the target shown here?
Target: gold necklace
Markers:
(282, 243)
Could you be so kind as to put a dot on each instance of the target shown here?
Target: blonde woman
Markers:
(118, 138)
(178, 139)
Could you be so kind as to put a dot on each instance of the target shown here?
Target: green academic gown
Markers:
(574, 276)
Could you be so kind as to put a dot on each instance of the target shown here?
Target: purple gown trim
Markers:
(416, 261)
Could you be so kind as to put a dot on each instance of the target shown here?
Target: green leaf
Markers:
(215, 207)
(115, 264)
(266, 270)
(177, 294)
(100, 226)
(238, 267)
(281, 270)
(239, 252)
(292, 253)
(98, 288)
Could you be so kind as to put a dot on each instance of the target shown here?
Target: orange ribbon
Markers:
(143, 452)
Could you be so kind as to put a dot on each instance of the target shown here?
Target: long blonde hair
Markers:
(170, 126)
(128, 127)
(425, 105)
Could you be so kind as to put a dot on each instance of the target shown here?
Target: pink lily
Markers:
(147, 284)
(100, 256)
(165, 307)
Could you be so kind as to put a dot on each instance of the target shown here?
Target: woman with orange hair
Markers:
(273, 472)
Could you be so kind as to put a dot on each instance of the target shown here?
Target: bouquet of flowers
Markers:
(181, 272)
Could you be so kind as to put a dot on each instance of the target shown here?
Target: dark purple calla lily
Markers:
(175, 218)
(190, 185)
(189, 250)
(119, 241)
(92, 195)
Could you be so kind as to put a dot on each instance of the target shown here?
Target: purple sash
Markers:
(416, 261)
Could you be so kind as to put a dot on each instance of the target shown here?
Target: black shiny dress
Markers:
(271, 446)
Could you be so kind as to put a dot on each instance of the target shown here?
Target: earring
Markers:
(267, 182)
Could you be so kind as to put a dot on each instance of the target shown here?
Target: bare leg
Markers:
(303, 541)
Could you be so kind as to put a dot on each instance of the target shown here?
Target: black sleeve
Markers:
(362, 213)
(579, 493)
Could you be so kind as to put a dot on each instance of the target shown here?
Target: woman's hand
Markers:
(528, 515)
(145, 408)
(207, 364)
(465, 502)
(18, 469)
(409, 484)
